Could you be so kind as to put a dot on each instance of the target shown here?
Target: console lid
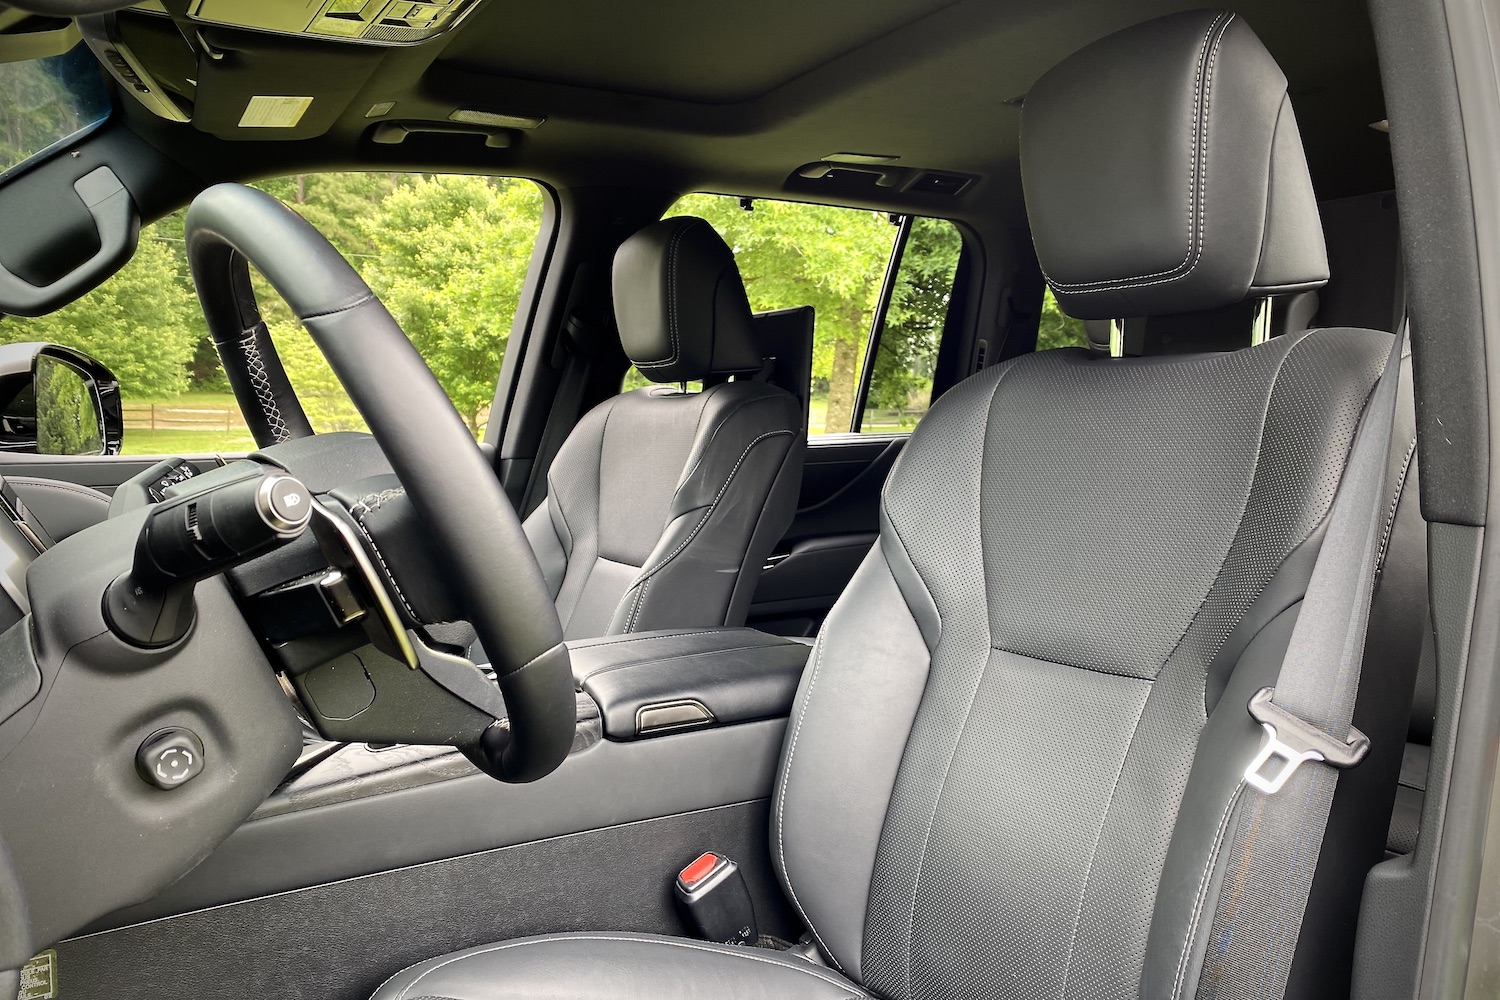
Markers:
(654, 683)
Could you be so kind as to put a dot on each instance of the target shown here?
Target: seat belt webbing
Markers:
(1277, 836)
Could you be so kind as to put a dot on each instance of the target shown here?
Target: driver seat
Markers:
(663, 504)
(1016, 756)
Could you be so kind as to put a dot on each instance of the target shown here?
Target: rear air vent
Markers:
(940, 183)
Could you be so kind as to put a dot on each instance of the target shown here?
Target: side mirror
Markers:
(57, 401)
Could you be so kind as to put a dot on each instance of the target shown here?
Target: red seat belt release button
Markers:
(713, 897)
(700, 869)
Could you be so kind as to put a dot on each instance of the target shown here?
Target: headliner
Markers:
(735, 96)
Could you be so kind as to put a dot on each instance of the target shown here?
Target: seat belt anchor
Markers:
(1293, 741)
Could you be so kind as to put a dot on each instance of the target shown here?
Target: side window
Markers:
(1057, 328)
(900, 380)
(447, 254)
(835, 260)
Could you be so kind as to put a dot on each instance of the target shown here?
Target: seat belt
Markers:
(1282, 811)
(580, 341)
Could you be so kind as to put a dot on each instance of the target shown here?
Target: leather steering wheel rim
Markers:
(447, 479)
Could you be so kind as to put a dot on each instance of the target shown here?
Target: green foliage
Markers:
(67, 419)
(834, 259)
(450, 257)
(47, 100)
(902, 378)
(143, 323)
(829, 258)
(1057, 328)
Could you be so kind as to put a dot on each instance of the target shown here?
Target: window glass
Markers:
(1057, 328)
(832, 259)
(48, 101)
(447, 255)
(901, 380)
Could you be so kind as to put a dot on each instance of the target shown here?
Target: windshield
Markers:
(44, 102)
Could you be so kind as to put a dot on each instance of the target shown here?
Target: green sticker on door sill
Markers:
(39, 977)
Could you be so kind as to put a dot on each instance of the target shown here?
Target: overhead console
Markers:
(376, 22)
(210, 63)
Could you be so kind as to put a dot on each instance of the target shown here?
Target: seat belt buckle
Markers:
(1294, 741)
(716, 901)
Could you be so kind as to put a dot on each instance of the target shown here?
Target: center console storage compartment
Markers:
(654, 683)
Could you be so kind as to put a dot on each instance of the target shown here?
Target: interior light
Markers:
(471, 117)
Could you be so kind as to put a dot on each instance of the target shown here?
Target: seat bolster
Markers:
(843, 747)
(616, 966)
(735, 498)
(541, 532)
(736, 416)
(573, 505)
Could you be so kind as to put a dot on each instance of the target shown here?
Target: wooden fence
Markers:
(174, 417)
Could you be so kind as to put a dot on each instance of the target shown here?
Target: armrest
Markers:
(653, 683)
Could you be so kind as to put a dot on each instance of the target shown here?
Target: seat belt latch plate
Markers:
(1294, 741)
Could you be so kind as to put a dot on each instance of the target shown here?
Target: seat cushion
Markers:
(624, 966)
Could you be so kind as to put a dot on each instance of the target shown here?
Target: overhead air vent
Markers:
(940, 183)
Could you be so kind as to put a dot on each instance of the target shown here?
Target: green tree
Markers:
(830, 258)
(143, 323)
(67, 420)
(450, 257)
(902, 376)
(1057, 328)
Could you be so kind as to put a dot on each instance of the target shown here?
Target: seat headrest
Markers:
(680, 304)
(1164, 173)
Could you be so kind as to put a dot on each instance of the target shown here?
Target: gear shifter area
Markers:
(221, 519)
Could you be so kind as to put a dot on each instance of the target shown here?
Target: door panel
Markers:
(838, 519)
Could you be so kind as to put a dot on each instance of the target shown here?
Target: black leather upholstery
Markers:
(1017, 751)
(575, 966)
(61, 508)
(732, 674)
(662, 505)
(680, 304)
(1164, 173)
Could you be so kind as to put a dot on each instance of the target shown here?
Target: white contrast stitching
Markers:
(1202, 895)
(786, 780)
(1197, 179)
(389, 576)
(645, 578)
(373, 501)
(672, 317)
(743, 953)
(260, 381)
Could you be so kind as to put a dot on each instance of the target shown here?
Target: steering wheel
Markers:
(450, 485)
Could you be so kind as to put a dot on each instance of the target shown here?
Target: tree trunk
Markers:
(842, 383)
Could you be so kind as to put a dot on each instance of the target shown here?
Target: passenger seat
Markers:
(663, 504)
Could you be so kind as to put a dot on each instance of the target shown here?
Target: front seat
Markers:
(663, 504)
(1014, 762)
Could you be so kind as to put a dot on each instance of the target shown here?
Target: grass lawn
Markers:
(213, 440)
(197, 441)
(147, 442)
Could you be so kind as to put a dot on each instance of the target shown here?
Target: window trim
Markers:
(877, 322)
